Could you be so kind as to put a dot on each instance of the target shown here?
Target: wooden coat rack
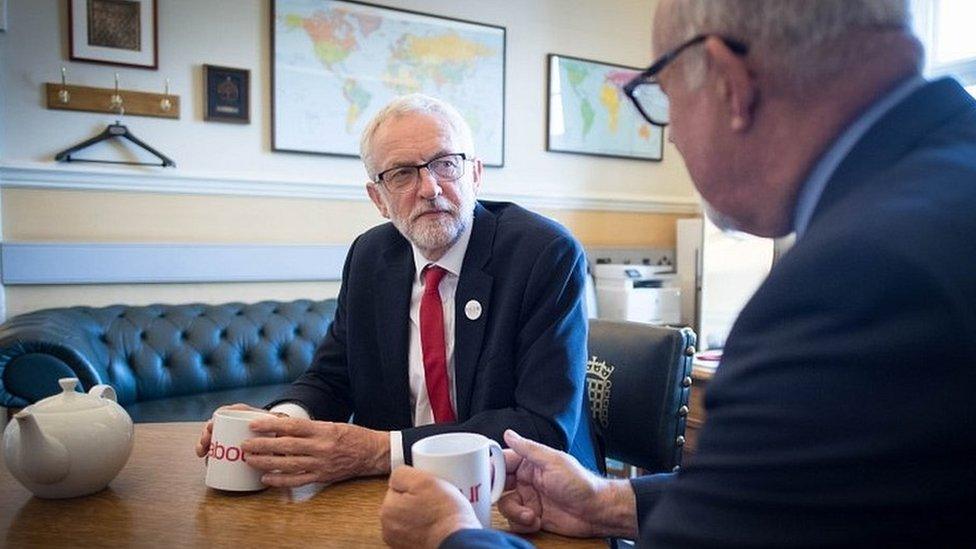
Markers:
(108, 100)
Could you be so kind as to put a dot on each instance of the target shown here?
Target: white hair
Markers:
(800, 41)
(415, 103)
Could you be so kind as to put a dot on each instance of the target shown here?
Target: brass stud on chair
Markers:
(686, 382)
(690, 350)
(680, 441)
(676, 468)
(683, 411)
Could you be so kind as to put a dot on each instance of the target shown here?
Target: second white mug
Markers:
(473, 463)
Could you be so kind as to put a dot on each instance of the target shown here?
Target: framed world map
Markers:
(335, 63)
(589, 113)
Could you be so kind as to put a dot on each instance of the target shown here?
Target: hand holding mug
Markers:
(552, 491)
(421, 510)
(473, 463)
(305, 451)
(227, 467)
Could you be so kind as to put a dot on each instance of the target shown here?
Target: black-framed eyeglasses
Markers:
(445, 168)
(645, 91)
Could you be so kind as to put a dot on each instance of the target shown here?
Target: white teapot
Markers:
(70, 444)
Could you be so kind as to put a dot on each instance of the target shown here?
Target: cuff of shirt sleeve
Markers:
(291, 409)
(396, 449)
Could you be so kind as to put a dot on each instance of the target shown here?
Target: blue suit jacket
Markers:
(843, 412)
(520, 365)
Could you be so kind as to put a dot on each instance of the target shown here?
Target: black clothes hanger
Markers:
(114, 130)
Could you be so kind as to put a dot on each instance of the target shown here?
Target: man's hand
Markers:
(315, 451)
(553, 492)
(421, 510)
(203, 445)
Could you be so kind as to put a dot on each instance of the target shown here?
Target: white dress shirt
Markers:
(423, 414)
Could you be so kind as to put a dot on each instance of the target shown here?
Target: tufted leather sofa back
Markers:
(160, 351)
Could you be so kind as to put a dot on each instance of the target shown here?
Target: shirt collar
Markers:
(451, 260)
(815, 183)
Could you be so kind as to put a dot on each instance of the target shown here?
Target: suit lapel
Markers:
(392, 307)
(474, 284)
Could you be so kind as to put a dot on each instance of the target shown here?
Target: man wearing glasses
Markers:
(842, 413)
(459, 315)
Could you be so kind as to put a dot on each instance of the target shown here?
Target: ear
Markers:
(374, 195)
(477, 174)
(735, 86)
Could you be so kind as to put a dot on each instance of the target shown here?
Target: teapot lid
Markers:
(68, 400)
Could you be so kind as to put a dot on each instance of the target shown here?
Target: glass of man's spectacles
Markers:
(645, 91)
(445, 169)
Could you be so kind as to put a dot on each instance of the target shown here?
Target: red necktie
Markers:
(433, 346)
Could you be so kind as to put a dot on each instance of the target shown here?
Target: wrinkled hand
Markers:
(421, 510)
(315, 451)
(203, 445)
(552, 491)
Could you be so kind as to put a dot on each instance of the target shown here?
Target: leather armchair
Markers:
(638, 383)
(166, 362)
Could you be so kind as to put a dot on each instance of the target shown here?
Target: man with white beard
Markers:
(458, 315)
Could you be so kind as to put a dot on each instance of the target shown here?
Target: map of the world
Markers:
(590, 113)
(337, 63)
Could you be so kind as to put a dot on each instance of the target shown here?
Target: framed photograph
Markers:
(228, 97)
(335, 63)
(589, 113)
(114, 32)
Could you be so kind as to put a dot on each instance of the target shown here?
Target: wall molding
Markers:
(40, 175)
(84, 263)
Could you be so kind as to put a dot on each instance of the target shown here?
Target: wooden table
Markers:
(159, 500)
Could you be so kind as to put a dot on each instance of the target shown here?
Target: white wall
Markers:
(251, 195)
(236, 33)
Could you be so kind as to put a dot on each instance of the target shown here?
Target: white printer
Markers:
(638, 293)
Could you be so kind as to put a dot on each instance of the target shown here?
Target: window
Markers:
(945, 28)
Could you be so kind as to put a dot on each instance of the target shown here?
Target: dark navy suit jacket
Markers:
(844, 412)
(520, 365)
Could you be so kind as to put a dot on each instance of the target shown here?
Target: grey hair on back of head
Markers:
(800, 41)
(414, 103)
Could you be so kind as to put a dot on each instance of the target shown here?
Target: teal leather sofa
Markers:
(166, 362)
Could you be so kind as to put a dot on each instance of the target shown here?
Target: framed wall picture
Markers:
(335, 63)
(228, 97)
(589, 113)
(114, 32)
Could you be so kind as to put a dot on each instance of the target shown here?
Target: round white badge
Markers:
(472, 310)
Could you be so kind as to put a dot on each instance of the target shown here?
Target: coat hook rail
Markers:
(137, 103)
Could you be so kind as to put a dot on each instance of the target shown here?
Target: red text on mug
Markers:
(229, 453)
(472, 494)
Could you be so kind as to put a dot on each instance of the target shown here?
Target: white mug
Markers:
(467, 461)
(226, 468)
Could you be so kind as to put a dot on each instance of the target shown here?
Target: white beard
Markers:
(438, 233)
(434, 234)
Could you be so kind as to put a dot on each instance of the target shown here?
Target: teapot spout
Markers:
(42, 458)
